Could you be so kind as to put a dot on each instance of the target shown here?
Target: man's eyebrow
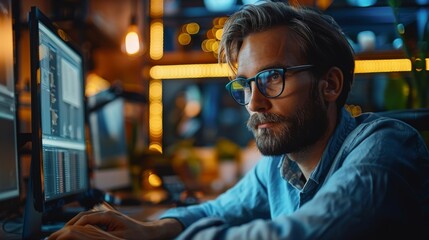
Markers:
(272, 66)
(239, 76)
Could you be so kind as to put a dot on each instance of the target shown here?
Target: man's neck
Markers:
(308, 158)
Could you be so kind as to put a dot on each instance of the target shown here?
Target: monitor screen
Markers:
(109, 147)
(9, 170)
(58, 116)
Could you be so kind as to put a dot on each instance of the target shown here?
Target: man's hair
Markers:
(320, 39)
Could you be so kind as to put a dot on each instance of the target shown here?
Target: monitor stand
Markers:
(32, 218)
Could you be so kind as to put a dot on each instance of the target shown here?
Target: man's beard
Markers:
(293, 133)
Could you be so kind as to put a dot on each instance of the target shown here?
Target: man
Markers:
(324, 174)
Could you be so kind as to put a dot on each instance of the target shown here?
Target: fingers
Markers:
(77, 217)
(100, 218)
(102, 207)
(81, 232)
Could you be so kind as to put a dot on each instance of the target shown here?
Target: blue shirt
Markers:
(372, 180)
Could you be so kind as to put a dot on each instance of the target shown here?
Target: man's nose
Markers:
(258, 102)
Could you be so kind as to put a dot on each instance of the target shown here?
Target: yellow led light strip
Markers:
(186, 71)
(156, 49)
(156, 8)
(155, 114)
(384, 65)
(189, 71)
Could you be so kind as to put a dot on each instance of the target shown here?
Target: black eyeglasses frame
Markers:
(248, 81)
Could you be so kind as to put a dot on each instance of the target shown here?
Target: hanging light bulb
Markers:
(132, 43)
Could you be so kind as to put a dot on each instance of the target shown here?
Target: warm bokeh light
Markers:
(156, 50)
(222, 21)
(192, 28)
(155, 114)
(156, 8)
(133, 41)
(156, 108)
(208, 45)
(204, 44)
(154, 180)
(189, 71)
(210, 34)
(155, 126)
(156, 146)
(95, 84)
(215, 46)
(184, 38)
(219, 33)
(385, 65)
(214, 35)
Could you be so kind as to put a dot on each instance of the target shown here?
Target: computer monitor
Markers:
(58, 113)
(59, 165)
(110, 170)
(9, 170)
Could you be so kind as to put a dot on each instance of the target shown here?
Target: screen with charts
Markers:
(58, 114)
(9, 170)
(109, 147)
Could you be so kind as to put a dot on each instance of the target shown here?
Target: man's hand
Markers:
(82, 232)
(102, 224)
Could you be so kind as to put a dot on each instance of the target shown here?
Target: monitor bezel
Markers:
(35, 17)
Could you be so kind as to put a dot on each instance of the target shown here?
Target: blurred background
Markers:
(176, 110)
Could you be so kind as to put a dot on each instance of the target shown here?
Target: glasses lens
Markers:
(270, 82)
(240, 91)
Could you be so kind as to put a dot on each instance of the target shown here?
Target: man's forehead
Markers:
(270, 48)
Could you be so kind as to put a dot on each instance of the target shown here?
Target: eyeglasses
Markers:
(270, 83)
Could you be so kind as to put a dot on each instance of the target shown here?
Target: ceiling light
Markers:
(132, 44)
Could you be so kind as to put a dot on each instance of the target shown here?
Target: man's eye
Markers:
(274, 76)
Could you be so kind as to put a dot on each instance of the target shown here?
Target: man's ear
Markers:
(331, 84)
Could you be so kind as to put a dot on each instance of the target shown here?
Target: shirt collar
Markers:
(290, 171)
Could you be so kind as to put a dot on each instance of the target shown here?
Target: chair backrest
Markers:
(418, 118)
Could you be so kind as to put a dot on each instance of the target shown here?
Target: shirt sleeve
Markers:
(246, 200)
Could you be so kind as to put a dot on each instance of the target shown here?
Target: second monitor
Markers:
(109, 147)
